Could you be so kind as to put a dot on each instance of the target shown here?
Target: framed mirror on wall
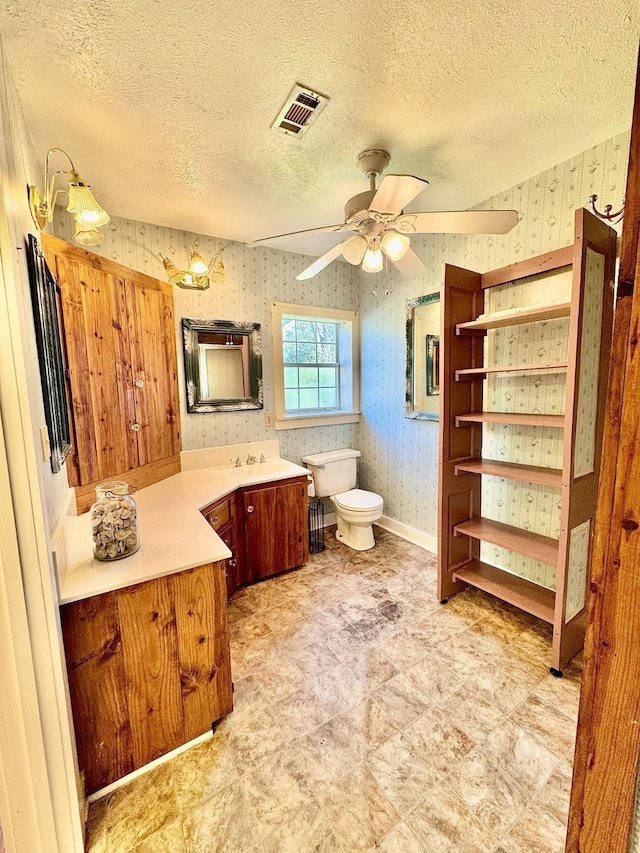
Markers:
(222, 365)
(422, 399)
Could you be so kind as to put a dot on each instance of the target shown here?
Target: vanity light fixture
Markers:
(199, 275)
(89, 216)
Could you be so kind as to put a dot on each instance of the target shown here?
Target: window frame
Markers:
(349, 360)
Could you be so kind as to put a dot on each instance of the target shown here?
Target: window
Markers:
(316, 365)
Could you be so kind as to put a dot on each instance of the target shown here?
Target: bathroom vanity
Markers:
(146, 638)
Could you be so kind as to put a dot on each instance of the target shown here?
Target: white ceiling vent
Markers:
(301, 109)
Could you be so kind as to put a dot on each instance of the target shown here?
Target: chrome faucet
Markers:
(236, 461)
(251, 460)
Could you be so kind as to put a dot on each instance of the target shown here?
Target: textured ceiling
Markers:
(166, 107)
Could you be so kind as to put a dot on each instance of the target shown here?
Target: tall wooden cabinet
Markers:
(502, 430)
(119, 332)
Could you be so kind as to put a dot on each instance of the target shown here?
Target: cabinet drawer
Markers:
(219, 515)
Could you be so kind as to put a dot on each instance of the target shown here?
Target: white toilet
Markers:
(334, 476)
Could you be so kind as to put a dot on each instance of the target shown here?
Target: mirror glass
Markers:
(222, 365)
(423, 358)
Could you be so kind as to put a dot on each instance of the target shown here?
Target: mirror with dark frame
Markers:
(422, 399)
(222, 365)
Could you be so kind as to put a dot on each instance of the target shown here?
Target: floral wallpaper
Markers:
(399, 455)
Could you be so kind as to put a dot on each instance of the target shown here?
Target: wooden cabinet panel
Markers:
(150, 651)
(149, 669)
(154, 363)
(276, 527)
(98, 689)
(120, 338)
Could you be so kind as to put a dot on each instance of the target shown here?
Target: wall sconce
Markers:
(89, 216)
(199, 275)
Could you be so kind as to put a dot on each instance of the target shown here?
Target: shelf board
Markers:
(522, 593)
(526, 315)
(481, 371)
(511, 418)
(512, 471)
(523, 542)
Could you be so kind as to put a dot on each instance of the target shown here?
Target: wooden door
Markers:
(276, 528)
(152, 335)
(95, 328)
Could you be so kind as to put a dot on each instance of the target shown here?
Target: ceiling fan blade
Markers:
(323, 261)
(457, 222)
(322, 230)
(395, 192)
(409, 264)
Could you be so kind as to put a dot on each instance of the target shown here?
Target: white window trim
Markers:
(348, 415)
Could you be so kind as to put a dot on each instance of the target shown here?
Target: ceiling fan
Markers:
(376, 216)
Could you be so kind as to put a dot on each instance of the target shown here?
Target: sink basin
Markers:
(259, 469)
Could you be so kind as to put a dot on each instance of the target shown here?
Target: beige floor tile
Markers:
(249, 628)
(139, 809)
(278, 678)
(325, 754)
(403, 650)
(401, 839)
(491, 794)
(223, 824)
(284, 618)
(169, 838)
(441, 741)
(254, 737)
(550, 726)
(239, 608)
(402, 700)
(533, 832)
(276, 789)
(402, 771)
(365, 726)
(308, 831)
(299, 713)
(338, 689)
(562, 693)
(372, 668)
(521, 755)
(202, 771)
(506, 684)
(553, 798)
(96, 826)
(358, 810)
(312, 659)
(443, 823)
(470, 712)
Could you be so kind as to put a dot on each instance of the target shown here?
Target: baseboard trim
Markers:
(411, 534)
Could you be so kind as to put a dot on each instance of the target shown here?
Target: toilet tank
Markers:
(333, 472)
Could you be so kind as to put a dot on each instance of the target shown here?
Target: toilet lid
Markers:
(358, 499)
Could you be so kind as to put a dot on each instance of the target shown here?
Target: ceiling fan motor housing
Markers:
(359, 204)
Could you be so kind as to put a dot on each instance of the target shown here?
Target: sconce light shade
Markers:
(88, 213)
(395, 245)
(197, 265)
(217, 273)
(184, 278)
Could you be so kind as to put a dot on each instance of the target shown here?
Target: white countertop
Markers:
(174, 536)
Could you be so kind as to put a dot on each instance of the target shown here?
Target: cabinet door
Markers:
(95, 323)
(154, 368)
(275, 523)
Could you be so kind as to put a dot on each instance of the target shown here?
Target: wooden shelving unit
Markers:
(464, 335)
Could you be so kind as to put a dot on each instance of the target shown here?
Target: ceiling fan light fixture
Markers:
(372, 261)
(395, 245)
(355, 249)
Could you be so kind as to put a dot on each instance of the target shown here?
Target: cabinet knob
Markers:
(213, 521)
(233, 562)
(139, 383)
(135, 427)
(249, 509)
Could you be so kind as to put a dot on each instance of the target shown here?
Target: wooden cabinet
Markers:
(266, 528)
(120, 338)
(149, 669)
(547, 440)
(275, 527)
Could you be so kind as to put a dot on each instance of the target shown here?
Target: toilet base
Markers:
(358, 537)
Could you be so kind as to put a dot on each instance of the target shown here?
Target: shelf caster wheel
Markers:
(557, 673)
(444, 600)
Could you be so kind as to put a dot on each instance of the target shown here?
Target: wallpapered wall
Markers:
(255, 279)
(399, 455)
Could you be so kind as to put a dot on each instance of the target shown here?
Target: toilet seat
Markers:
(358, 500)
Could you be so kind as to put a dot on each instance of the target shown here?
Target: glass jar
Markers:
(114, 522)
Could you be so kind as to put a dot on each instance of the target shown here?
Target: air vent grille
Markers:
(300, 110)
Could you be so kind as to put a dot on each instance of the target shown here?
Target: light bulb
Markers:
(197, 265)
(372, 261)
(354, 250)
(82, 202)
(395, 245)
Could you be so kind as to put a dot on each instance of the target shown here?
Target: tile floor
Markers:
(368, 717)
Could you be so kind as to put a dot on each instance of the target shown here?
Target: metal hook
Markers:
(606, 215)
